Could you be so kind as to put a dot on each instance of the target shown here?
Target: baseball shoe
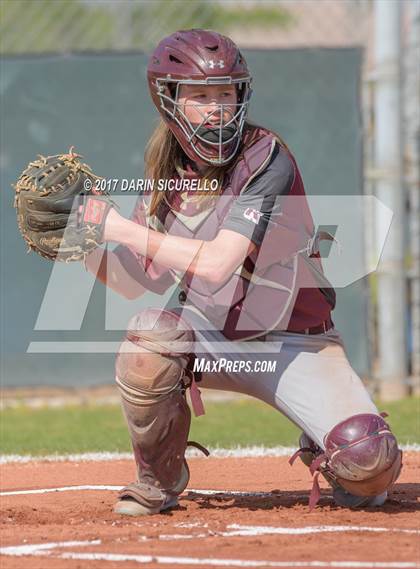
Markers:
(144, 498)
(130, 507)
(346, 500)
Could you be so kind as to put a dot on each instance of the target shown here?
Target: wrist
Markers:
(133, 235)
(115, 227)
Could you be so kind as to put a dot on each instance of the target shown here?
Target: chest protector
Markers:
(260, 295)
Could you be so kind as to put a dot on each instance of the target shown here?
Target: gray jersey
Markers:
(261, 194)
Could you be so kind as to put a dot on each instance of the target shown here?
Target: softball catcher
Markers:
(247, 261)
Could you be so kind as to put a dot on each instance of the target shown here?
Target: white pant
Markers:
(313, 384)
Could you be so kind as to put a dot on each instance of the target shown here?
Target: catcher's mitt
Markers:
(60, 213)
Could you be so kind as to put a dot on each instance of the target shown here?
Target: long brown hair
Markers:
(164, 154)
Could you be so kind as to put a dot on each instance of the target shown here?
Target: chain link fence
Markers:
(60, 26)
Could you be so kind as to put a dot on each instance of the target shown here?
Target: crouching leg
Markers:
(150, 368)
(361, 461)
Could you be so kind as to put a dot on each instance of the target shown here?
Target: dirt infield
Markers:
(238, 512)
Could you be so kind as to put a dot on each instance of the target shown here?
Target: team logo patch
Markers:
(94, 211)
(252, 214)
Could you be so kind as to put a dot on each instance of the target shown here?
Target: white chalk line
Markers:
(61, 489)
(165, 560)
(40, 548)
(235, 529)
(238, 530)
(216, 452)
(47, 550)
(202, 491)
(113, 488)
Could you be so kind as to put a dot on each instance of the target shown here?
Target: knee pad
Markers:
(153, 356)
(361, 455)
(150, 368)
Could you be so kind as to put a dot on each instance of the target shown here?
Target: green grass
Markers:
(89, 428)
(404, 418)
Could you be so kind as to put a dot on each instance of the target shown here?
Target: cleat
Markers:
(130, 507)
(347, 500)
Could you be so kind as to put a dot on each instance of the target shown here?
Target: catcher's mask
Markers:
(201, 57)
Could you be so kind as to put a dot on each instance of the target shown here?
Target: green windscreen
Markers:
(101, 105)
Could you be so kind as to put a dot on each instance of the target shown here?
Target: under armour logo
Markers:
(220, 63)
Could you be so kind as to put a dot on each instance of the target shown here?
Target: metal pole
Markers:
(412, 174)
(392, 305)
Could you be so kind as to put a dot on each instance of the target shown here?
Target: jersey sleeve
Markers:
(251, 211)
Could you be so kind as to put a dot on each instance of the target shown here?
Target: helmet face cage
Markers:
(222, 150)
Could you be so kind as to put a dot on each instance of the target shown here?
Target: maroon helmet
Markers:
(200, 57)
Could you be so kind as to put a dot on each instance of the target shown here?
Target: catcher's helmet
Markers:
(202, 57)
